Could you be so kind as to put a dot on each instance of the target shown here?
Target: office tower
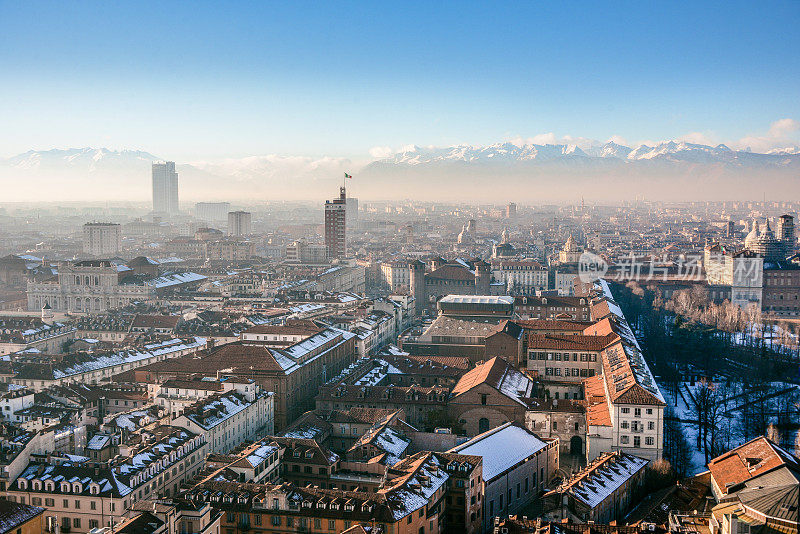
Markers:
(335, 225)
(101, 239)
(511, 210)
(352, 212)
(165, 188)
(212, 211)
(239, 223)
(785, 233)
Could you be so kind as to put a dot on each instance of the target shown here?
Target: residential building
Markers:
(517, 466)
(240, 223)
(229, 419)
(81, 497)
(603, 491)
(212, 212)
(102, 240)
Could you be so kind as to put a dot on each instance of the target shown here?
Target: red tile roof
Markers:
(748, 461)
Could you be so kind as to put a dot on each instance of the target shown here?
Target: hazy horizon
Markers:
(279, 101)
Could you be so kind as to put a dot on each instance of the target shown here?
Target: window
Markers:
(637, 412)
(276, 520)
(626, 410)
(331, 524)
(93, 524)
(623, 439)
(651, 425)
(484, 398)
(483, 425)
(637, 441)
(649, 411)
(93, 505)
(649, 440)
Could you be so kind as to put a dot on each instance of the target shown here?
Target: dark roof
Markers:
(14, 514)
(451, 272)
(155, 321)
(776, 503)
(144, 523)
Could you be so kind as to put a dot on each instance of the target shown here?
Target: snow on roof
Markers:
(639, 368)
(98, 441)
(302, 308)
(596, 485)
(476, 299)
(132, 356)
(389, 441)
(226, 406)
(174, 279)
(501, 448)
(260, 454)
(416, 492)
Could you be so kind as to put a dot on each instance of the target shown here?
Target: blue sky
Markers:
(204, 80)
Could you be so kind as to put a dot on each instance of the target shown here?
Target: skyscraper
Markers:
(239, 223)
(165, 188)
(335, 225)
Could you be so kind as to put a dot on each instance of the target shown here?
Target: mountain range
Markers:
(671, 170)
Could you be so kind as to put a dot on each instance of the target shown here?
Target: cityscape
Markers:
(265, 330)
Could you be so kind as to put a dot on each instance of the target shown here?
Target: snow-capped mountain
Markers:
(89, 158)
(675, 151)
(670, 170)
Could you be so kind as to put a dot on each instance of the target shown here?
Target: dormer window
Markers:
(296, 453)
(22, 483)
(49, 486)
(65, 487)
(309, 453)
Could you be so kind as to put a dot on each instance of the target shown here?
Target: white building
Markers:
(212, 211)
(396, 275)
(240, 223)
(517, 466)
(102, 240)
(524, 276)
(230, 419)
(165, 188)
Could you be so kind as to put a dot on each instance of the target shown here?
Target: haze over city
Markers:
(399, 268)
(264, 96)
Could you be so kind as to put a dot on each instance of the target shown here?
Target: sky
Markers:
(197, 80)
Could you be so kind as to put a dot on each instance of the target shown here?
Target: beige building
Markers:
(102, 240)
(81, 497)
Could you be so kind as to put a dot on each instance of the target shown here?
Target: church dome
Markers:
(570, 245)
(751, 238)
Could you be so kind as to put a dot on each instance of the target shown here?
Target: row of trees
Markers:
(735, 379)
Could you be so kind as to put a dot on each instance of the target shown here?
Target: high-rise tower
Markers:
(165, 188)
(335, 225)
(785, 234)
